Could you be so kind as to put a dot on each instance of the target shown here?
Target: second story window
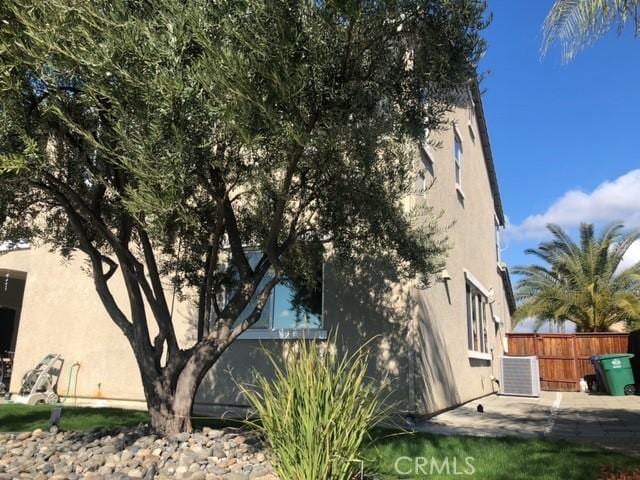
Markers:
(424, 175)
(497, 227)
(457, 157)
(477, 340)
(9, 246)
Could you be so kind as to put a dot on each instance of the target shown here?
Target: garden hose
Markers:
(77, 364)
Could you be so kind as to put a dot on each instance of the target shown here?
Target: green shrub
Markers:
(317, 411)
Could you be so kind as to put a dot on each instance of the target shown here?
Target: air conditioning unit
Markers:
(520, 376)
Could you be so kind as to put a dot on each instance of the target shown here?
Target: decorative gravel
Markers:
(125, 453)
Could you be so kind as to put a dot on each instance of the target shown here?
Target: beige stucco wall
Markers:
(61, 313)
(360, 307)
(446, 374)
(421, 335)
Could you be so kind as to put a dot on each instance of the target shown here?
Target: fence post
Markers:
(554, 376)
(575, 363)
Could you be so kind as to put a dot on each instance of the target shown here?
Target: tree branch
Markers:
(207, 295)
(271, 247)
(100, 278)
(238, 256)
(163, 316)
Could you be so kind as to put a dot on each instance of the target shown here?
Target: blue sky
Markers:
(564, 136)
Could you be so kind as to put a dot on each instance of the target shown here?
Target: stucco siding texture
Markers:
(447, 374)
(62, 314)
(357, 313)
(419, 345)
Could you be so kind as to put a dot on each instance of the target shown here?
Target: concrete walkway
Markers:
(612, 422)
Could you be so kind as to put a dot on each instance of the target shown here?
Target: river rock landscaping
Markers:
(131, 453)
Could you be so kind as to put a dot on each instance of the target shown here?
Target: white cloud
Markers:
(631, 257)
(610, 201)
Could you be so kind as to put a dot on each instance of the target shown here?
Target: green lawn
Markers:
(492, 458)
(16, 418)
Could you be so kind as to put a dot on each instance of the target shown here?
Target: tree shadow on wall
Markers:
(363, 302)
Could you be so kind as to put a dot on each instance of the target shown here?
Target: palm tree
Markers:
(578, 23)
(582, 283)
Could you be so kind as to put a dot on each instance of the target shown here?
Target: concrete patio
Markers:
(612, 422)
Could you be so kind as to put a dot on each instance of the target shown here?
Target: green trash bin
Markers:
(618, 373)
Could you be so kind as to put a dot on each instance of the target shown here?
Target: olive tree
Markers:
(159, 138)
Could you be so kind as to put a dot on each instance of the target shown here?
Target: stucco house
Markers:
(438, 347)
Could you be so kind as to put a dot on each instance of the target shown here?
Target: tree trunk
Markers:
(170, 400)
(171, 418)
(170, 412)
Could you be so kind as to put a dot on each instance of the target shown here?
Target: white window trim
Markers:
(456, 130)
(479, 355)
(457, 138)
(498, 238)
(428, 151)
(476, 283)
(423, 166)
(284, 334)
(472, 132)
(7, 246)
(470, 278)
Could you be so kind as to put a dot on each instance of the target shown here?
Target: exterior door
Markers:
(8, 330)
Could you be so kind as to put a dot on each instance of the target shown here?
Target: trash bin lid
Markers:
(614, 355)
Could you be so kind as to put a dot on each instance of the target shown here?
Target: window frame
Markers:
(477, 302)
(497, 228)
(256, 332)
(457, 158)
(425, 164)
(14, 247)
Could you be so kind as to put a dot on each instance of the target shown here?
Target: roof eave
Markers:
(508, 288)
(486, 150)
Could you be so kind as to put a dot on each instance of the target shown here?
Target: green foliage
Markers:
(169, 106)
(317, 412)
(494, 458)
(578, 23)
(160, 137)
(583, 282)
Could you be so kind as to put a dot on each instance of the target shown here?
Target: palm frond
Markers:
(578, 23)
(580, 282)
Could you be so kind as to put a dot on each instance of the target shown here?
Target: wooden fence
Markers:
(564, 358)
